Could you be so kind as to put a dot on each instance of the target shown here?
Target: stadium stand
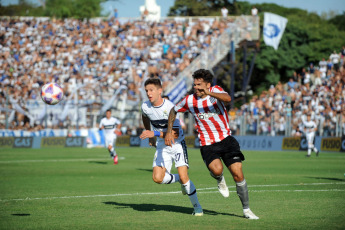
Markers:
(93, 60)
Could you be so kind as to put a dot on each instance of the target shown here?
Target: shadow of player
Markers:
(167, 208)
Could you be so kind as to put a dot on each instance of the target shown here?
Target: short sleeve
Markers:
(182, 106)
(143, 110)
(217, 89)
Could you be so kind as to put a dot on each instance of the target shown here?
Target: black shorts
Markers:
(228, 150)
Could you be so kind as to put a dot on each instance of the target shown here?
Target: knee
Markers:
(217, 171)
(157, 178)
(238, 177)
(184, 179)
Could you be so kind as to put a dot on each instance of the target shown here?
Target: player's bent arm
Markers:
(224, 97)
(118, 128)
(169, 136)
(146, 122)
(147, 133)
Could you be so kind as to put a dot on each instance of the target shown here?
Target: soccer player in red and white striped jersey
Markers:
(211, 117)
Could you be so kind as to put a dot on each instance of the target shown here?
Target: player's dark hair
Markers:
(204, 74)
(153, 81)
(108, 110)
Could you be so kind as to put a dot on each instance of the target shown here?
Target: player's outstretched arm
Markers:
(169, 136)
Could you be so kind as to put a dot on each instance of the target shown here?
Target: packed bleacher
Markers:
(97, 57)
(317, 89)
(100, 56)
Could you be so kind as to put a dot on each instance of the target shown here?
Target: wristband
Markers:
(157, 133)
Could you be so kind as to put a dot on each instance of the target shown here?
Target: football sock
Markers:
(218, 178)
(112, 152)
(242, 192)
(309, 151)
(170, 178)
(191, 192)
(315, 149)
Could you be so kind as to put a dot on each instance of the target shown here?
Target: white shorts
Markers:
(310, 138)
(110, 140)
(166, 155)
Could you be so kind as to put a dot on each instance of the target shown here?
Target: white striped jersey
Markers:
(210, 116)
(109, 124)
(309, 126)
(159, 115)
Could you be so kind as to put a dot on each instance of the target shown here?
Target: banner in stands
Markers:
(333, 144)
(6, 142)
(38, 110)
(16, 142)
(122, 141)
(43, 133)
(298, 143)
(23, 142)
(263, 143)
(56, 142)
(134, 141)
(75, 142)
(291, 143)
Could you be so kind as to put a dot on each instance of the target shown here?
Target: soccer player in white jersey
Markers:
(110, 125)
(155, 113)
(310, 128)
(212, 121)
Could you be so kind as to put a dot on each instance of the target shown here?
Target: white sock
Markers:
(170, 178)
(191, 192)
(315, 149)
(309, 151)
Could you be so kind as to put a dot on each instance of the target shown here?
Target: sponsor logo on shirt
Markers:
(208, 115)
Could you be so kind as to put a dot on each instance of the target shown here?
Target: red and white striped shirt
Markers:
(210, 116)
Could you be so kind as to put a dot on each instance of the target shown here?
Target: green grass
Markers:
(74, 188)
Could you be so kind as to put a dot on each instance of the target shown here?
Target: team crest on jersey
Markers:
(165, 114)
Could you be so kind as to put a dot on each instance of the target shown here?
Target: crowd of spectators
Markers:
(99, 55)
(102, 55)
(280, 110)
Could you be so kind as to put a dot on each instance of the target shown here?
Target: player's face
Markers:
(108, 114)
(308, 118)
(154, 94)
(200, 86)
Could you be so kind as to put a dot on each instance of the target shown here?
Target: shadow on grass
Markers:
(146, 170)
(99, 162)
(326, 178)
(168, 208)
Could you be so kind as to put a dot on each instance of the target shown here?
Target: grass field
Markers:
(74, 188)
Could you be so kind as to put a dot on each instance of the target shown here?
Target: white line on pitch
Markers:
(201, 190)
(57, 160)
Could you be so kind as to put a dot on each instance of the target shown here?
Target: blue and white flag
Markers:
(274, 26)
(177, 93)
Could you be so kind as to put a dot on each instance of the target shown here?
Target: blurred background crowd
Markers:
(97, 57)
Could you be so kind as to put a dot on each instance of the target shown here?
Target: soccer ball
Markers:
(51, 93)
